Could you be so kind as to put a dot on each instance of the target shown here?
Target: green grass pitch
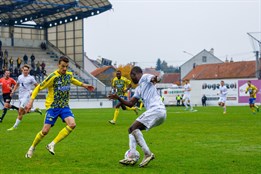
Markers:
(205, 141)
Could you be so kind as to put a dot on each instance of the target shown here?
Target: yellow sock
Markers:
(256, 106)
(62, 134)
(141, 105)
(253, 109)
(39, 136)
(130, 109)
(116, 114)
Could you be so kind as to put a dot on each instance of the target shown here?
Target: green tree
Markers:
(158, 65)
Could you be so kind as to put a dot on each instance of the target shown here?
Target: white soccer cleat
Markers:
(112, 122)
(11, 129)
(127, 161)
(50, 148)
(146, 160)
(30, 153)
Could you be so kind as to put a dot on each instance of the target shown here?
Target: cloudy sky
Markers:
(173, 30)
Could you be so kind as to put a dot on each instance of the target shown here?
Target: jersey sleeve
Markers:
(13, 82)
(113, 82)
(48, 81)
(76, 82)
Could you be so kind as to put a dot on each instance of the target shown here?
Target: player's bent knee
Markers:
(72, 125)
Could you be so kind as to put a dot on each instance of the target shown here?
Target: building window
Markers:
(204, 58)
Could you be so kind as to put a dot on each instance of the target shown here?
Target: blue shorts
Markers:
(252, 100)
(53, 113)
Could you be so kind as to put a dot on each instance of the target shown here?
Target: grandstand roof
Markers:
(48, 13)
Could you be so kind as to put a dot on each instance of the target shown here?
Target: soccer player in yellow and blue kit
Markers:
(57, 104)
(252, 90)
(120, 87)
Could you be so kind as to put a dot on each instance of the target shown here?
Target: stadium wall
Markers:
(236, 91)
(81, 103)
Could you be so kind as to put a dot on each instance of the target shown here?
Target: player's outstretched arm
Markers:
(88, 87)
(129, 103)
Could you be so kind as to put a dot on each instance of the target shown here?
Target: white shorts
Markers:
(186, 97)
(23, 101)
(222, 100)
(152, 118)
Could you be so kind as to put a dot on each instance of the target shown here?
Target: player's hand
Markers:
(88, 87)
(112, 96)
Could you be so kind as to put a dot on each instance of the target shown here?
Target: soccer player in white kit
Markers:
(223, 96)
(25, 82)
(186, 97)
(154, 115)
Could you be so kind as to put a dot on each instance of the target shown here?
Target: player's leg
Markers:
(116, 114)
(66, 115)
(39, 136)
(132, 146)
(19, 118)
(135, 109)
(5, 109)
(190, 103)
(251, 105)
(225, 108)
(254, 103)
(21, 112)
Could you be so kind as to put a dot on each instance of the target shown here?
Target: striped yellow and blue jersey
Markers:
(252, 90)
(121, 85)
(58, 89)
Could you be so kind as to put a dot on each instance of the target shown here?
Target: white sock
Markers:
(186, 103)
(52, 143)
(132, 143)
(191, 107)
(141, 141)
(17, 123)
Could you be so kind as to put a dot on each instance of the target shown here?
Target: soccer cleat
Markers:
(112, 122)
(50, 148)
(30, 153)
(38, 111)
(224, 112)
(11, 129)
(127, 161)
(146, 160)
(1, 120)
(185, 109)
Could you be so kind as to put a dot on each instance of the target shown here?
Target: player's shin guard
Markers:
(116, 114)
(141, 141)
(37, 139)
(62, 134)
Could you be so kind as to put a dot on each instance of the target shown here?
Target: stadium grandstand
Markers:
(48, 29)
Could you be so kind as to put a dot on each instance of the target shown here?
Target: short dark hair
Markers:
(27, 66)
(64, 59)
(136, 69)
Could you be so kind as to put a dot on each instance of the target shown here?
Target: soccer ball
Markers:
(135, 156)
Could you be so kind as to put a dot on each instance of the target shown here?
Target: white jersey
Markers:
(25, 85)
(148, 92)
(187, 88)
(223, 91)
